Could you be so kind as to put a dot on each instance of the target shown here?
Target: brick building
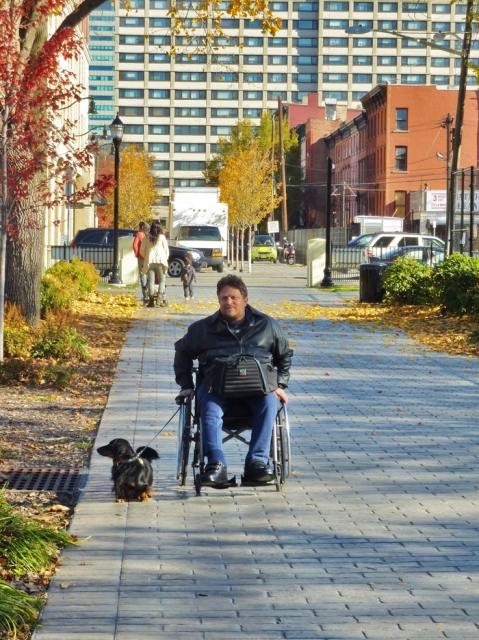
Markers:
(398, 146)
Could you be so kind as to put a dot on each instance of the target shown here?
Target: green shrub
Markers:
(57, 338)
(18, 335)
(456, 284)
(408, 281)
(26, 370)
(58, 376)
(66, 281)
(17, 609)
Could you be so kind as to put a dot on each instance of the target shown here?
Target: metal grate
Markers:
(54, 480)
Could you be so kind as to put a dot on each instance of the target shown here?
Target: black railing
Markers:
(101, 257)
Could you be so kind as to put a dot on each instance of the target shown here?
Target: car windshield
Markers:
(199, 233)
(263, 241)
(360, 241)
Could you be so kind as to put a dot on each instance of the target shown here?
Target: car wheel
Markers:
(174, 267)
(220, 268)
(275, 261)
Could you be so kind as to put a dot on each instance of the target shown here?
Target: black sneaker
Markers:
(215, 473)
(257, 471)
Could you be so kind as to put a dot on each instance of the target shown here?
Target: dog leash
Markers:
(138, 453)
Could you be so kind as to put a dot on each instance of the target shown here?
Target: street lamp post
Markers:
(463, 53)
(327, 280)
(116, 128)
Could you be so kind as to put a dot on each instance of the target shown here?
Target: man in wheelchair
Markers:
(242, 353)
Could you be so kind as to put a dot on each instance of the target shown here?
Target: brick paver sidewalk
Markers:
(375, 537)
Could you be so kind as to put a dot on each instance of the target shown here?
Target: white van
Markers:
(386, 241)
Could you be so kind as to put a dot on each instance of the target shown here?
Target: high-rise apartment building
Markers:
(178, 107)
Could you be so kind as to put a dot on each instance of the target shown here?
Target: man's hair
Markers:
(144, 226)
(232, 281)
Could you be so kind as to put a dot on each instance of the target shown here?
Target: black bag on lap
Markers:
(240, 376)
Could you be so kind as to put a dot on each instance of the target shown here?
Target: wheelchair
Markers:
(236, 424)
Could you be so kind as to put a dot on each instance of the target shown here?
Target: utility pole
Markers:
(271, 217)
(281, 162)
(457, 138)
(446, 124)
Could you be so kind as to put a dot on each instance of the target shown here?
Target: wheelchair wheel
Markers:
(276, 455)
(285, 448)
(184, 440)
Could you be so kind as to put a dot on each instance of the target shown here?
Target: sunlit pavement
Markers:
(376, 534)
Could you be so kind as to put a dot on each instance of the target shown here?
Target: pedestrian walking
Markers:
(154, 248)
(188, 276)
(143, 229)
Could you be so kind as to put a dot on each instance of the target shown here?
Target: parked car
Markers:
(102, 237)
(429, 255)
(382, 242)
(362, 240)
(264, 248)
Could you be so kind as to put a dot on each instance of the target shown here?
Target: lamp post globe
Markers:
(116, 129)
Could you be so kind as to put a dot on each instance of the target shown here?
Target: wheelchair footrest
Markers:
(224, 485)
(255, 483)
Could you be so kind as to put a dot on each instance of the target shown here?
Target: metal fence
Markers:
(101, 257)
(466, 211)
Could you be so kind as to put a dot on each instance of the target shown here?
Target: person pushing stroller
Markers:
(188, 276)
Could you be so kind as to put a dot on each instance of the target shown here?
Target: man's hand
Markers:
(280, 393)
(184, 393)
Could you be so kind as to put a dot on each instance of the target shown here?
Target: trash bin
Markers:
(371, 282)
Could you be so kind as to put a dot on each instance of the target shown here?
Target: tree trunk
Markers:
(24, 263)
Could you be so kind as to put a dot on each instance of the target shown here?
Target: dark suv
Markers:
(98, 237)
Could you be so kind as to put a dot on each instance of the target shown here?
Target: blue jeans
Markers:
(212, 409)
(154, 268)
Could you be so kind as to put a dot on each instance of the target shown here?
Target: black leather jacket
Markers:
(211, 337)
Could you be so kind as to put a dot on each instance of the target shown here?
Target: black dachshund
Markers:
(131, 472)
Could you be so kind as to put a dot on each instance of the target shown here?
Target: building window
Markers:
(386, 78)
(185, 182)
(439, 79)
(337, 95)
(401, 119)
(414, 7)
(189, 76)
(277, 42)
(274, 95)
(159, 129)
(159, 112)
(413, 78)
(131, 75)
(160, 22)
(190, 130)
(362, 60)
(278, 6)
(157, 40)
(441, 26)
(159, 4)
(357, 95)
(401, 159)
(253, 77)
(252, 113)
(335, 77)
(305, 6)
(132, 57)
(253, 42)
(303, 43)
(134, 128)
(414, 25)
(223, 130)
(190, 112)
(305, 60)
(305, 24)
(335, 42)
(277, 77)
(305, 77)
(441, 8)
(387, 24)
(460, 9)
(440, 62)
(131, 21)
(131, 111)
(189, 165)
(160, 75)
(132, 93)
(194, 58)
(190, 147)
(387, 43)
(162, 182)
(414, 61)
(335, 24)
(363, 6)
(221, 76)
(412, 44)
(336, 6)
(253, 60)
(159, 57)
(277, 59)
(159, 94)
(388, 7)
(336, 60)
(362, 77)
(190, 94)
(160, 165)
(362, 42)
(252, 95)
(387, 61)
(400, 204)
(223, 94)
(158, 147)
(224, 113)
